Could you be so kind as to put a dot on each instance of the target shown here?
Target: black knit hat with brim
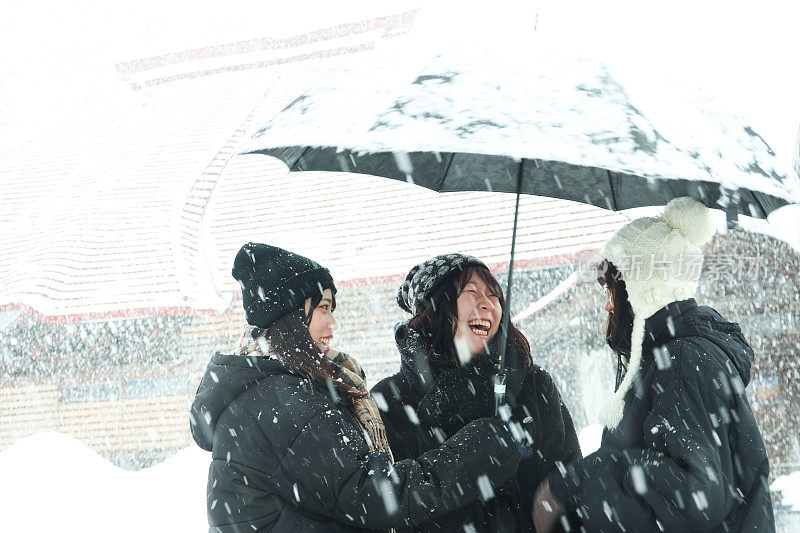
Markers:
(426, 276)
(275, 281)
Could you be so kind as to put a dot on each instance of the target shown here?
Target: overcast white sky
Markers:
(58, 58)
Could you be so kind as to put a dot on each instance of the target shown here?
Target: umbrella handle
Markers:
(499, 392)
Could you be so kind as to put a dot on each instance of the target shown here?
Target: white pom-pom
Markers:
(611, 413)
(691, 218)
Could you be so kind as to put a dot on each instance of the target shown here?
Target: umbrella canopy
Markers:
(546, 125)
(550, 126)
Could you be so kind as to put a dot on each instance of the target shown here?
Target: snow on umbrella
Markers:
(564, 125)
(550, 126)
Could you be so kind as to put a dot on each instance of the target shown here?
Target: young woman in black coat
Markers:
(682, 450)
(449, 351)
(297, 442)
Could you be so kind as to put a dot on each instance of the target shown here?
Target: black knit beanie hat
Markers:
(423, 278)
(275, 281)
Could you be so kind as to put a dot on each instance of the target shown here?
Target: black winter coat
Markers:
(288, 458)
(430, 399)
(687, 455)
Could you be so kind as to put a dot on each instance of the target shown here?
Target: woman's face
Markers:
(479, 316)
(609, 305)
(322, 321)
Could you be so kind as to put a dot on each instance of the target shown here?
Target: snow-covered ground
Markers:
(52, 482)
(789, 487)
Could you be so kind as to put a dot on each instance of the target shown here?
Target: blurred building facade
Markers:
(124, 385)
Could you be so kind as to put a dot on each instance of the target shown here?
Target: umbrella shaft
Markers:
(501, 362)
(507, 314)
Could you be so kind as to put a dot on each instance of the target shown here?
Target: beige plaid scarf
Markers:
(348, 376)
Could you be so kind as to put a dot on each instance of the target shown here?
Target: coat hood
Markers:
(225, 379)
(686, 319)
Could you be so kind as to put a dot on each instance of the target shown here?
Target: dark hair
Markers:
(437, 316)
(315, 300)
(620, 321)
(290, 340)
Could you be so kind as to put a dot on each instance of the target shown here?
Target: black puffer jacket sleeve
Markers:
(542, 413)
(680, 479)
(327, 468)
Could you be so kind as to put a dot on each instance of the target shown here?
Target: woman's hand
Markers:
(460, 395)
(546, 509)
(516, 431)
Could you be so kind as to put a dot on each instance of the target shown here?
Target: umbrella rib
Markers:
(446, 170)
(760, 205)
(611, 188)
(294, 164)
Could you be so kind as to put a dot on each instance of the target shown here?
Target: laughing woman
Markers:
(448, 350)
(297, 443)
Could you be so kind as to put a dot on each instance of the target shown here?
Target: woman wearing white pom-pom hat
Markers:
(681, 450)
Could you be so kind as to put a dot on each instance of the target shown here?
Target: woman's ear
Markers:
(307, 312)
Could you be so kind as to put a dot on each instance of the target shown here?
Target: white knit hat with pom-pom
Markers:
(660, 261)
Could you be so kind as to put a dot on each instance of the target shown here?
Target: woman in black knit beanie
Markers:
(297, 442)
(449, 351)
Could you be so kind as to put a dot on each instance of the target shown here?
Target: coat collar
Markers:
(660, 328)
(420, 366)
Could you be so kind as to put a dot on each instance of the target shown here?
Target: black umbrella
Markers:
(555, 127)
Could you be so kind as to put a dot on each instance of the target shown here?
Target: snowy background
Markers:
(61, 77)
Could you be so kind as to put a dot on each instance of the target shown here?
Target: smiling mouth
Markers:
(480, 327)
(326, 340)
